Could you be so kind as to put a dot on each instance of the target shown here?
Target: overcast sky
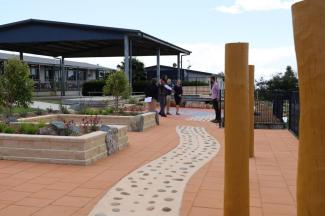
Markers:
(202, 27)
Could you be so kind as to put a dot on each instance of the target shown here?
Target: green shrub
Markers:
(133, 100)
(117, 85)
(63, 109)
(93, 86)
(9, 130)
(28, 128)
(107, 111)
(2, 127)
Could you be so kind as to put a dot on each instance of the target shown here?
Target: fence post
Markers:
(236, 191)
(251, 109)
(309, 34)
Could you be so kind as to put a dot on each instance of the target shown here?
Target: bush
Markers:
(9, 130)
(195, 83)
(63, 109)
(93, 86)
(30, 128)
(16, 87)
(117, 85)
(2, 127)
(133, 100)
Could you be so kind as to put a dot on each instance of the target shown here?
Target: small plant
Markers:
(38, 111)
(117, 85)
(49, 110)
(133, 100)
(63, 109)
(9, 130)
(2, 127)
(70, 128)
(30, 128)
(90, 124)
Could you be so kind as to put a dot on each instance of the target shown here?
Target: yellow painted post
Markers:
(309, 33)
(236, 194)
(251, 72)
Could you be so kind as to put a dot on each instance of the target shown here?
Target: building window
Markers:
(34, 72)
(72, 75)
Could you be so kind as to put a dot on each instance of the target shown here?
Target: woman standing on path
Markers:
(178, 92)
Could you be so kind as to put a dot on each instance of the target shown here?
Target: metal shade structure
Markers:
(70, 40)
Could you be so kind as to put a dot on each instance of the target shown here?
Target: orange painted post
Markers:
(251, 72)
(236, 194)
(309, 33)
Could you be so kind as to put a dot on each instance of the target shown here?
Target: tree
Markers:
(16, 87)
(117, 86)
(138, 71)
(279, 82)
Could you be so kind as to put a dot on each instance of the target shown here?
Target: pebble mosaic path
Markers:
(157, 188)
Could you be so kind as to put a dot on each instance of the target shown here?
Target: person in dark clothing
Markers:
(215, 96)
(169, 96)
(152, 91)
(178, 92)
(162, 92)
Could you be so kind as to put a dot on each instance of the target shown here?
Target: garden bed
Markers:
(137, 123)
(77, 150)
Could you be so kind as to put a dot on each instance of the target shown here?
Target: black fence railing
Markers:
(275, 110)
(294, 113)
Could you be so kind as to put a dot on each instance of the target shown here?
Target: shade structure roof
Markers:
(71, 40)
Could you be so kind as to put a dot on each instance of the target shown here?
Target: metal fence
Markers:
(275, 110)
(294, 113)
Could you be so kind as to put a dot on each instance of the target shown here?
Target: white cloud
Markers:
(255, 5)
(209, 57)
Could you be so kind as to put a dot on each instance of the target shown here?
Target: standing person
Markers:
(178, 92)
(215, 96)
(168, 96)
(162, 92)
(152, 91)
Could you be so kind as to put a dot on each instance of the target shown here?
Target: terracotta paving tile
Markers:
(85, 192)
(28, 187)
(62, 186)
(52, 210)
(196, 211)
(11, 195)
(43, 180)
(48, 194)
(72, 201)
(208, 199)
(36, 202)
(270, 210)
(18, 211)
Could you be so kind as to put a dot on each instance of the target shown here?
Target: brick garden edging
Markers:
(76, 150)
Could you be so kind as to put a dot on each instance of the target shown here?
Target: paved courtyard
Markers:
(47, 189)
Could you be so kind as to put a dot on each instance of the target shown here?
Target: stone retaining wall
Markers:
(81, 150)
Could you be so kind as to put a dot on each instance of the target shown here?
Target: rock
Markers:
(57, 125)
(136, 123)
(110, 139)
(47, 131)
(74, 130)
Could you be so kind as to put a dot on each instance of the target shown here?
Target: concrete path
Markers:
(45, 105)
(157, 187)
